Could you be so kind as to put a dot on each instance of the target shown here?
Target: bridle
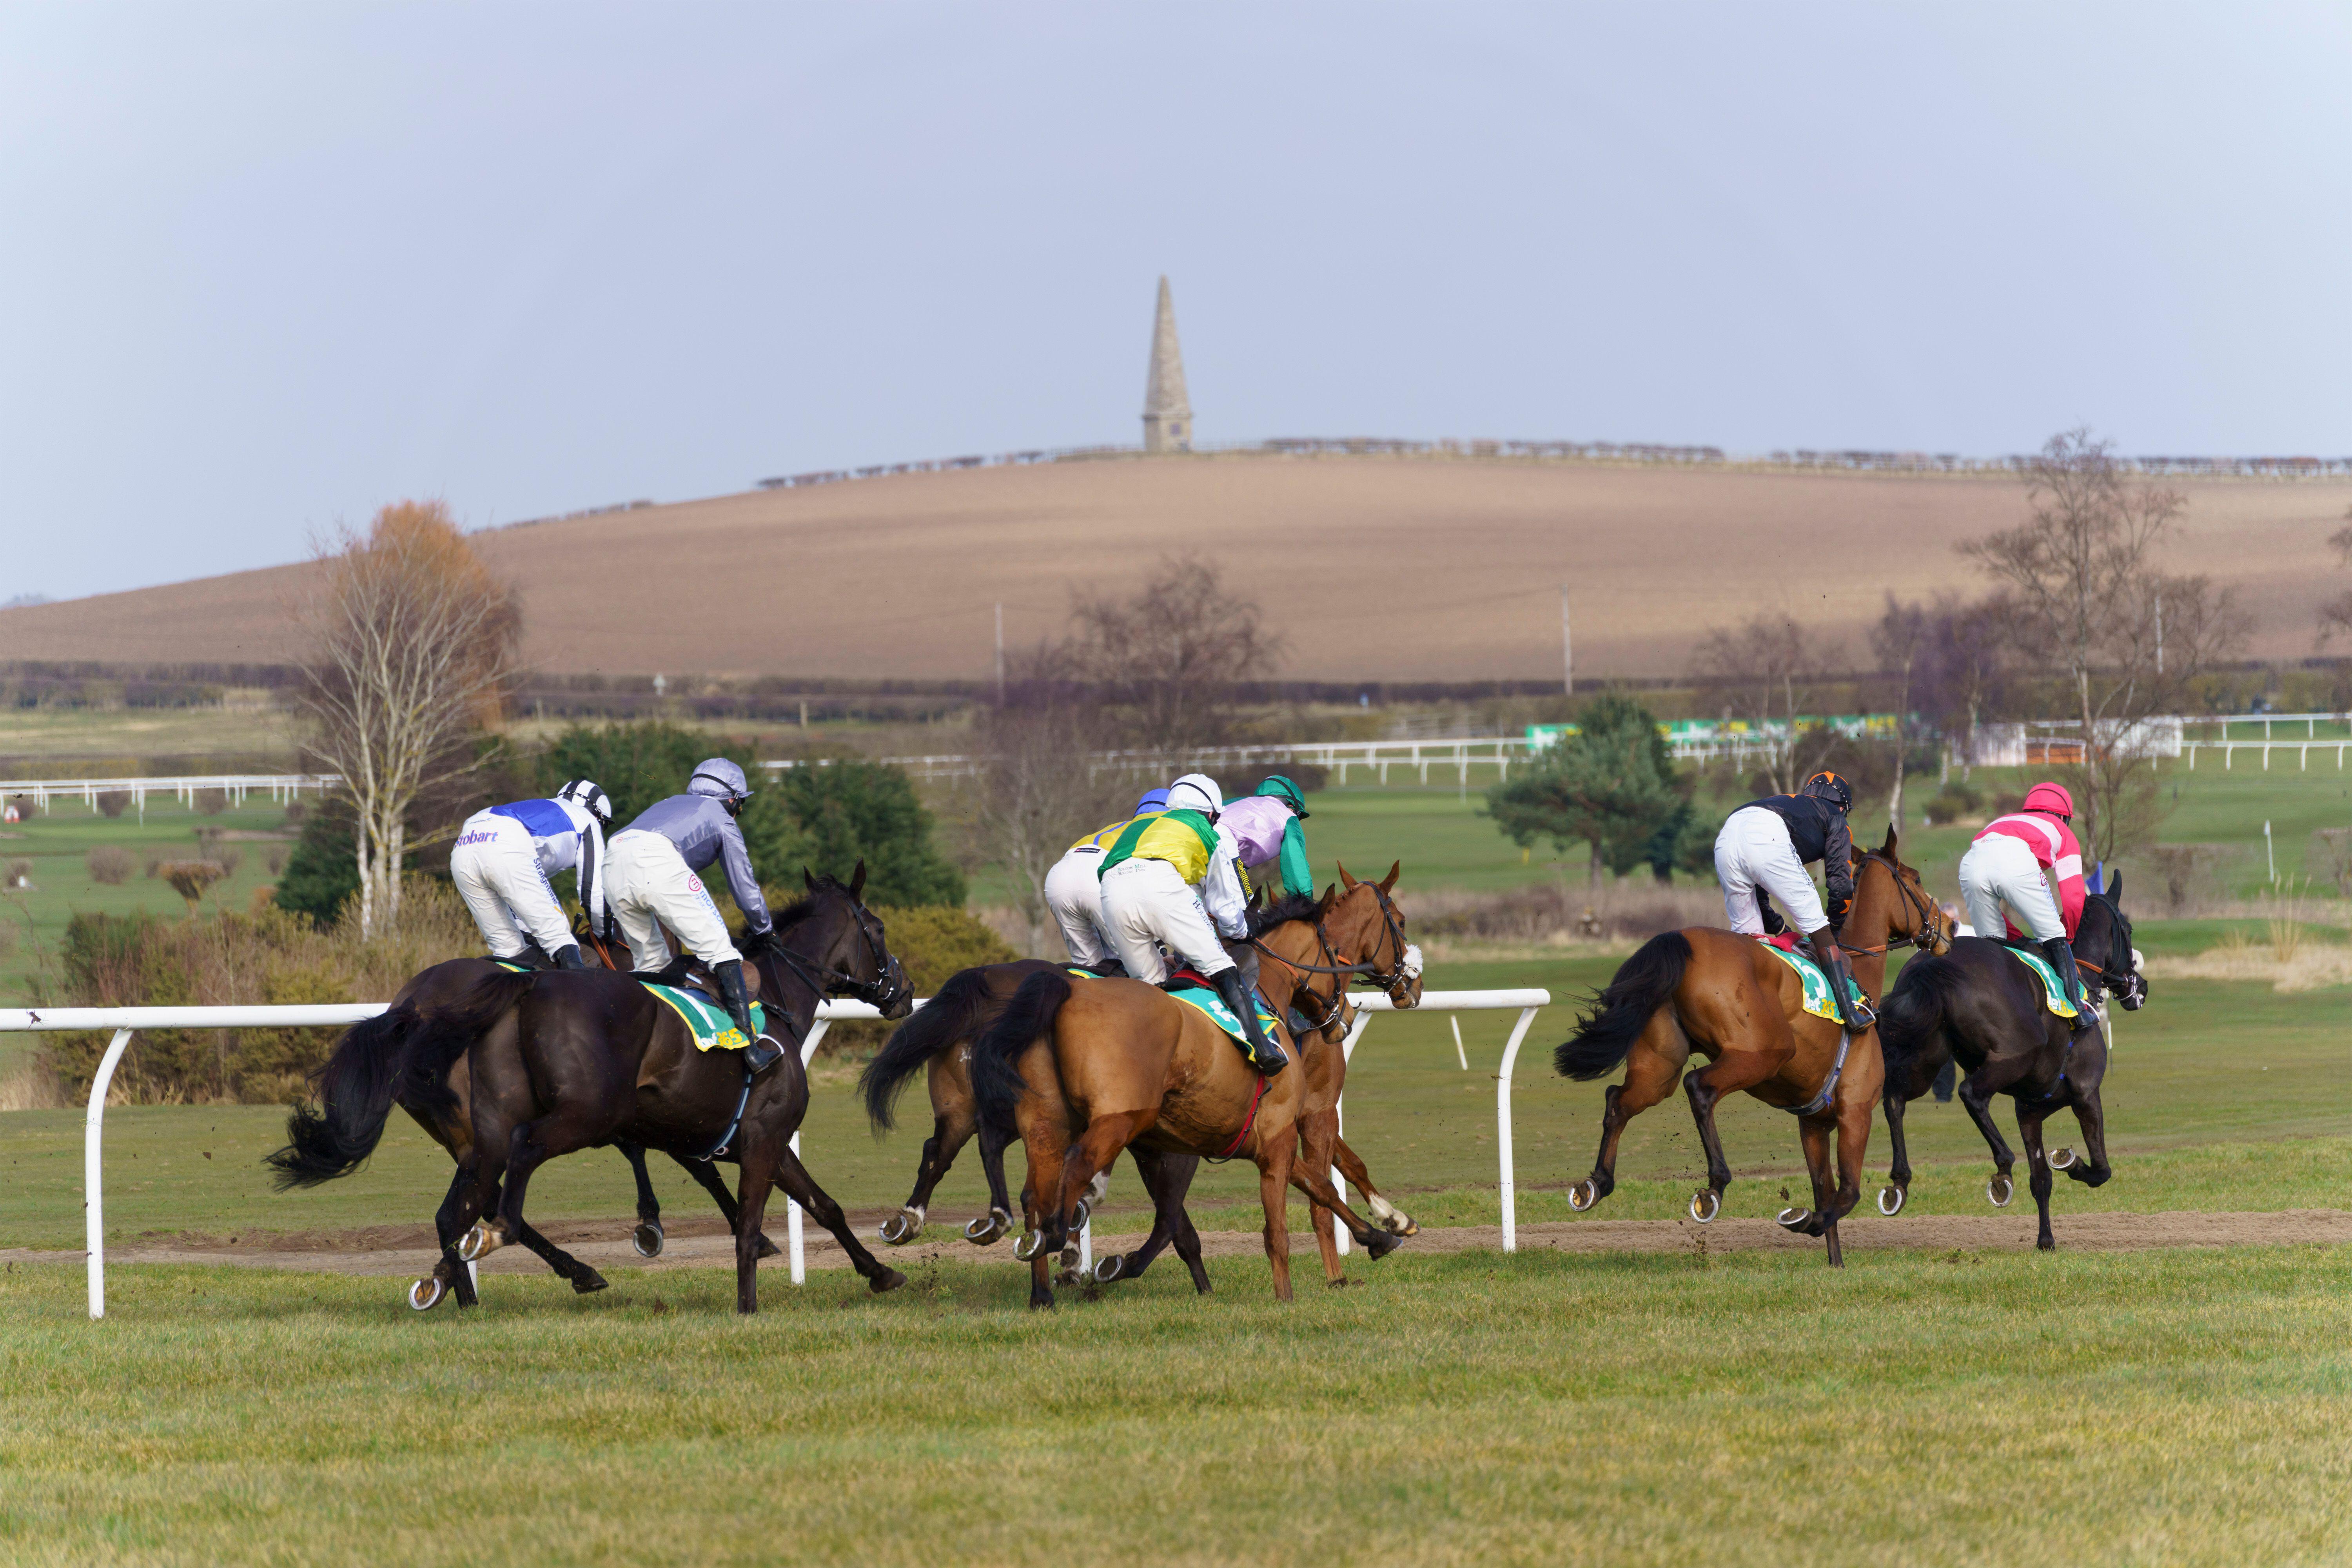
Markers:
(1923, 939)
(889, 986)
(2131, 985)
(1388, 979)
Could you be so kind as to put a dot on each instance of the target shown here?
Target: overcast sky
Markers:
(263, 269)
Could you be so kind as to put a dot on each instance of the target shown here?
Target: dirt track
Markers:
(395, 1252)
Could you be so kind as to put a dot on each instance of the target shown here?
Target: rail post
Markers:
(793, 1208)
(1509, 1184)
(93, 1194)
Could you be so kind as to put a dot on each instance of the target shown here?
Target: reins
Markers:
(1924, 937)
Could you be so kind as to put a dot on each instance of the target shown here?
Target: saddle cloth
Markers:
(705, 1019)
(1192, 988)
(2054, 989)
(1817, 985)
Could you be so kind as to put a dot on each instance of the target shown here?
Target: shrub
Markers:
(228, 860)
(154, 864)
(2330, 858)
(2190, 875)
(1952, 803)
(933, 943)
(19, 875)
(295, 812)
(108, 863)
(114, 802)
(190, 879)
(275, 859)
(211, 801)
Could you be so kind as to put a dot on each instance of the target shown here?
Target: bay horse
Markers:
(1722, 995)
(1083, 1068)
(1981, 1007)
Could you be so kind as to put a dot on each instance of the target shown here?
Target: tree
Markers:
(1168, 660)
(1611, 786)
(2081, 576)
(1964, 668)
(413, 647)
(1898, 642)
(1756, 670)
(2335, 616)
(854, 811)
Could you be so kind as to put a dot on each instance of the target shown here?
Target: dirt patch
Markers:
(395, 1251)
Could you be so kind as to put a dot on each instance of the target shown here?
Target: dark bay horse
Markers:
(1083, 1068)
(1723, 996)
(1980, 1007)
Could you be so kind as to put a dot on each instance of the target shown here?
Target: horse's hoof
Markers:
(989, 1229)
(1705, 1205)
(1031, 1244)
(2062, 1161)
(425, 1294)
(477, 1243)
(899, 1230)
(1069, 1259)
(586, 1280)
(649, 1237)
(1792, 1218)
(769, 1248)
(1380, 1243)
(2000, 1190)
(1892, 1199)
(1584, 1195)
(1110, 1267)
(1401, 1224)
(888, 1279)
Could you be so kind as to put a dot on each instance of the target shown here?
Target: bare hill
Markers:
(1376, 568)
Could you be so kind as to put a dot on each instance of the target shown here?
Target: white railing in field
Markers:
(279, 787)
(126, 1021)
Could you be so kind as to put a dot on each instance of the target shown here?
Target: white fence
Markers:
(126, 1021)
(279, 787)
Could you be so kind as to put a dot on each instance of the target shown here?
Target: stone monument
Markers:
(1167, 411)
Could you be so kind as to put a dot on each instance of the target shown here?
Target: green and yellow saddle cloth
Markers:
(706, 1020)
(1817, 984)
(2054, 989)
(1199, 994)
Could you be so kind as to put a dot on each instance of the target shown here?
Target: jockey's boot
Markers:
(1264, 1054)
(762, 1053)
(1853, 1013)
(568, 957)
(2070, 975)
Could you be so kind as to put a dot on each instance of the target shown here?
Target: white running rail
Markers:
(279, 787)
(126, 1021)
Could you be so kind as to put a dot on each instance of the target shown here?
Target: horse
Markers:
(1308, 940)
(1082, 1069)
(566, 1059)
(1981, 1006)
(1724, 997)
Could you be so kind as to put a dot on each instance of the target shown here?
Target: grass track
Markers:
(2149, 1408)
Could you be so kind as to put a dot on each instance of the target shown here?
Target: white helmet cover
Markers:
(1197, 791)
(586, 795)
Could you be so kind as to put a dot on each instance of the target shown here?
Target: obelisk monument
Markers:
(1167, 411)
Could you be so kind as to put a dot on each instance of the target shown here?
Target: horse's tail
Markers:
(405, 1048)
(1916, 1005)
(1605, 1036)
(996, 1080)
(950, 1016)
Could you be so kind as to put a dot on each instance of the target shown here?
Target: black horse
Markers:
(1979, 1005)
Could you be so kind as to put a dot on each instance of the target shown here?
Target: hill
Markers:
(1376, 568)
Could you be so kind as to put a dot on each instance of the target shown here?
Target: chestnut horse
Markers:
(1083, 1068)
(1722, 995)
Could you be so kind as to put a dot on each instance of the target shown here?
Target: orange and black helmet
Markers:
(1830, 787)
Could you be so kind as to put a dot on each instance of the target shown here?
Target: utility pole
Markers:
(2160, 631)
(1567, 648)
(999, 655)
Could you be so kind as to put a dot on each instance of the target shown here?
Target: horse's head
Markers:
(2103, 941)
(1365, 923)
(1891, 904)
(831, 939)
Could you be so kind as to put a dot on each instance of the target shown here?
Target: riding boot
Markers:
(568, 957)
(1853, 1013)
(762, 1053)
(1264, 1054)
(2070, 975)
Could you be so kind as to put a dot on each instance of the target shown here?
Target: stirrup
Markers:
(760, 1054)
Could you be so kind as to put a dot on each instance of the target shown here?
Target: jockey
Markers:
(504, 855)
(650, 879)
(1073, 887)
(2017, 861)
(1149, 875)
(1265, 825)
(1763, 850)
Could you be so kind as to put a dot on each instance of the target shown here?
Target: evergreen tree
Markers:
(1611, 786)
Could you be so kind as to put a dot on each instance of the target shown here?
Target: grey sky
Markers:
(265, 268)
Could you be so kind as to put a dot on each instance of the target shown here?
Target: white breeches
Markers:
(648, 887)
(1753, 851)
(1073, 892)
(1144, 901)
(1999, 870)
(496, 867)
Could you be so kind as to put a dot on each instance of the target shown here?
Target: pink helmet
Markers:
(2050, 797)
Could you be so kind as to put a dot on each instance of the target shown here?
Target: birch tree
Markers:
(413, 647)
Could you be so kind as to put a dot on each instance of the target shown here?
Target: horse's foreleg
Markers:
(1814, 1134)
(2092, 1114)
(1897, 1191)
(801, 1188)
(1352, 1168)
(1975, 1092)
(1733, 1070)
(583, 1277)
(650, 1234)
(2037, 1168)
(1318, 1138)
(1314, 1181)
(1089, 1157)
(1151, 1164)
(1275, 1160)
(983, 1232)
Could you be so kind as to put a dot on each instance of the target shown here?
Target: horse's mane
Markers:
(1289, 907)
(800, 908)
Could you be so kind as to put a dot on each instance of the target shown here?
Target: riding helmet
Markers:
(585, 793)
(1830, 787)
(2052, 798)
(1153, 800)
(719, 778)
(1197, 792)
(1279, 787)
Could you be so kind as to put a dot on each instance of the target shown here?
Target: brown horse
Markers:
(1309, 941)
(1722, 995)
(1083, 1068)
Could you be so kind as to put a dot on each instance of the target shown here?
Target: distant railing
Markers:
(279, 787)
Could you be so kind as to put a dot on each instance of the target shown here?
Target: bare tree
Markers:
(1168, 660)
(413, 647)
(1898, 641)
(1759, 672)
(2081, 576)
(2335, 616)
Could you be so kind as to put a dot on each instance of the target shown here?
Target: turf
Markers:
(2181, 1407)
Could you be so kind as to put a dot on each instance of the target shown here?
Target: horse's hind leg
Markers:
(1734, 1070)
(1352, 1167)
(940, 1149)
(705, 1176)
(802, 1188)
(1976, 1091)
(1657, 1060)
(583, 1277)
(1167, 1209)
(999, 1223)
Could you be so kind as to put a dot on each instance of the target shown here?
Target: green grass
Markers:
(2181, 1407)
